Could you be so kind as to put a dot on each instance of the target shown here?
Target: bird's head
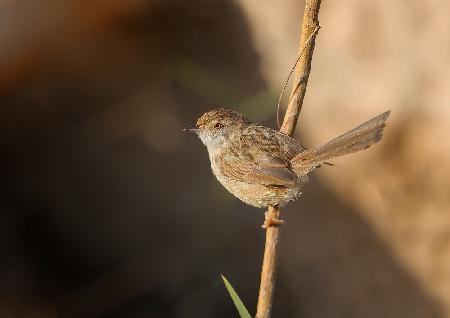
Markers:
(216, 127)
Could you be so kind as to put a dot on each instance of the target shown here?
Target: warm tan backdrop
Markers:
(108, 210)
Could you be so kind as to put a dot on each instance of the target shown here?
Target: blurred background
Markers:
(108, 210)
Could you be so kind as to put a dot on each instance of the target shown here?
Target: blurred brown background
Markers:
(108, 210)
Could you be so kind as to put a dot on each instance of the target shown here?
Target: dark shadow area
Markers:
(109, 210)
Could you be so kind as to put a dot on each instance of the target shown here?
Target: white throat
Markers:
(213, 145)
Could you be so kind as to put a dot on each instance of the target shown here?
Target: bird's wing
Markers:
(267, 170)
(290, 146)
(263, 168)
(264, 160)
(272, 171)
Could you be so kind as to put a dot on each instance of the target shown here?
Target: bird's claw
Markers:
(270, 221)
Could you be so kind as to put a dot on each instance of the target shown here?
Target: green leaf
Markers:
(243, 312)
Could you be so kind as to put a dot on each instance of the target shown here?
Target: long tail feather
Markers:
(359, 138)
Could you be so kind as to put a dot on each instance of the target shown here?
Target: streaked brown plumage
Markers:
(264, 167)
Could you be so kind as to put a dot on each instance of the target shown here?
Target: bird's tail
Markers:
(359, 138)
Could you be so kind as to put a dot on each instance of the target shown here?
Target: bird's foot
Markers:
(271, 220)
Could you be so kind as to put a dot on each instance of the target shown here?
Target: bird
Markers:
(264, 167)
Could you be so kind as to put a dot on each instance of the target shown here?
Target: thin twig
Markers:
(268, 271)
(316, 30)
(310, 27)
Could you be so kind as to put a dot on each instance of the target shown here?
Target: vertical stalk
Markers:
(267, 286)
(272, 223)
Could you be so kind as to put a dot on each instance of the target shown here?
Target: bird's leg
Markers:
(272, 218)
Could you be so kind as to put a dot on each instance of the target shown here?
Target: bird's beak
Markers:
(191, 129)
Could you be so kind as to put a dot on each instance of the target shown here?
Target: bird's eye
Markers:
(218, 126)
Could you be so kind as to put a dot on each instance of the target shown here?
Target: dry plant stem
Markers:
(313, 35)
(266, 289)
(310, 25)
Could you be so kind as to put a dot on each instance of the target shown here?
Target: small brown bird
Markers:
(264, 167)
